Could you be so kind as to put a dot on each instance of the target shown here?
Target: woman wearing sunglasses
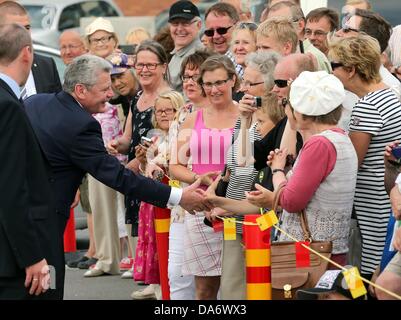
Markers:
(205, 136)
(375, 122)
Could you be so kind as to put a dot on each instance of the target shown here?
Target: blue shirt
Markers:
(12, 84)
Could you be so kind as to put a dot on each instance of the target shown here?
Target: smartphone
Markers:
(396, 151)
(258, 102)
(146, 139)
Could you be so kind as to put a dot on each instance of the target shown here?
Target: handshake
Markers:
(195, 199)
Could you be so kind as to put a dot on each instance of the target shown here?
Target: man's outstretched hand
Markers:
(192, 198)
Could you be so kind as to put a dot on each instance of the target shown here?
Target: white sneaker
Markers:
(129, 274)
(146, 294)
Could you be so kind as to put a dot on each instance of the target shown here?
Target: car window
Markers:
(98, 9)
(70, 16)
(40, 16)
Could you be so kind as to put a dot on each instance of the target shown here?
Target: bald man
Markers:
(71, 46)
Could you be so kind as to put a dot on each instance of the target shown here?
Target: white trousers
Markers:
(181, 287)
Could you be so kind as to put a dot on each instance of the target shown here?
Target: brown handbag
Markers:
(286, 278)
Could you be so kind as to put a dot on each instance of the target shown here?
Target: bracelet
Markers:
(278, 170)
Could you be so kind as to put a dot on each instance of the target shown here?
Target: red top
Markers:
(316, 160)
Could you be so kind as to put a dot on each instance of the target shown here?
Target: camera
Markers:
(257, 102)
(145, 139)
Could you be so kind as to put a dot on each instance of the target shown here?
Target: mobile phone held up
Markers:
(146, 139)
(258, 102)
(396, 151)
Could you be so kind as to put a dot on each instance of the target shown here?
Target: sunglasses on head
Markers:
(220, 31)
(281, 83)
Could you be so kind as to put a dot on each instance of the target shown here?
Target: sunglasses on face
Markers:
(335, 65)
(220, 31)
(281, 83)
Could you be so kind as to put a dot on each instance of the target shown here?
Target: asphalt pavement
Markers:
(106, 287)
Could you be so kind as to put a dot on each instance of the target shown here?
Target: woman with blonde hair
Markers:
(136, 35)
(375, 122)
(153, 159)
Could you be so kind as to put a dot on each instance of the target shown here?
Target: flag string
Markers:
(321, 256)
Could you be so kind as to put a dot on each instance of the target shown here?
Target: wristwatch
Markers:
(398, 182)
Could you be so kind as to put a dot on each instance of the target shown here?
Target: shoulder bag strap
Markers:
(304, 221)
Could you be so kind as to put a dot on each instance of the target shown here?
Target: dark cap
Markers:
(332, 281)
(183, 10)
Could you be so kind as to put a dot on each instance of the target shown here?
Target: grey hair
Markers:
(264, 62)
(84, 70)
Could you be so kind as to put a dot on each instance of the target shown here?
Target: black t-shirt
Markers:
(271, 141)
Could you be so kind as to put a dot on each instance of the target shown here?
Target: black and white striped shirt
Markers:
(379, 114)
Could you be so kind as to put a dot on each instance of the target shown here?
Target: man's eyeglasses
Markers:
(184, 23)
(186, 78)
(250, 84)
(335, 65)
(316, 33)
(220, 31)
(281, 83)
(168, 112)
(347, 29)
(149, 66)
(218, 84)
(101, 40)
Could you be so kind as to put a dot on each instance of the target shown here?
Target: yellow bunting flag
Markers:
(229, 229)
(354, 283)
(174, 183)
(267, 220)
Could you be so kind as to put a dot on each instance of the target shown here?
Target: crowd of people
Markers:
(209, 119)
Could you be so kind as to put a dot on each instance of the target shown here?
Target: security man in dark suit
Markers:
(44, 77)
(29, 243)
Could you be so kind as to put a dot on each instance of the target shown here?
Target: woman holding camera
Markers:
(375, 122)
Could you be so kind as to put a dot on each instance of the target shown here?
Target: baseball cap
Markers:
(184, 10)
(99, 24)
(316, 93)
(120, 62)
(332, 281)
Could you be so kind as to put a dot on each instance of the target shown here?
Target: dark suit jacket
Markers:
(71, 139)
(28, 223)
(45, 74)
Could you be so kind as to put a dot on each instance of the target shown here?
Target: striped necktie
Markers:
(24, 94)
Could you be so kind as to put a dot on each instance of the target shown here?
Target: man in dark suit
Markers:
(29, 242)
(43, 77)
(71, 139)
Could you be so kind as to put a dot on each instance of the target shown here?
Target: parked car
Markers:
(50, 18)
